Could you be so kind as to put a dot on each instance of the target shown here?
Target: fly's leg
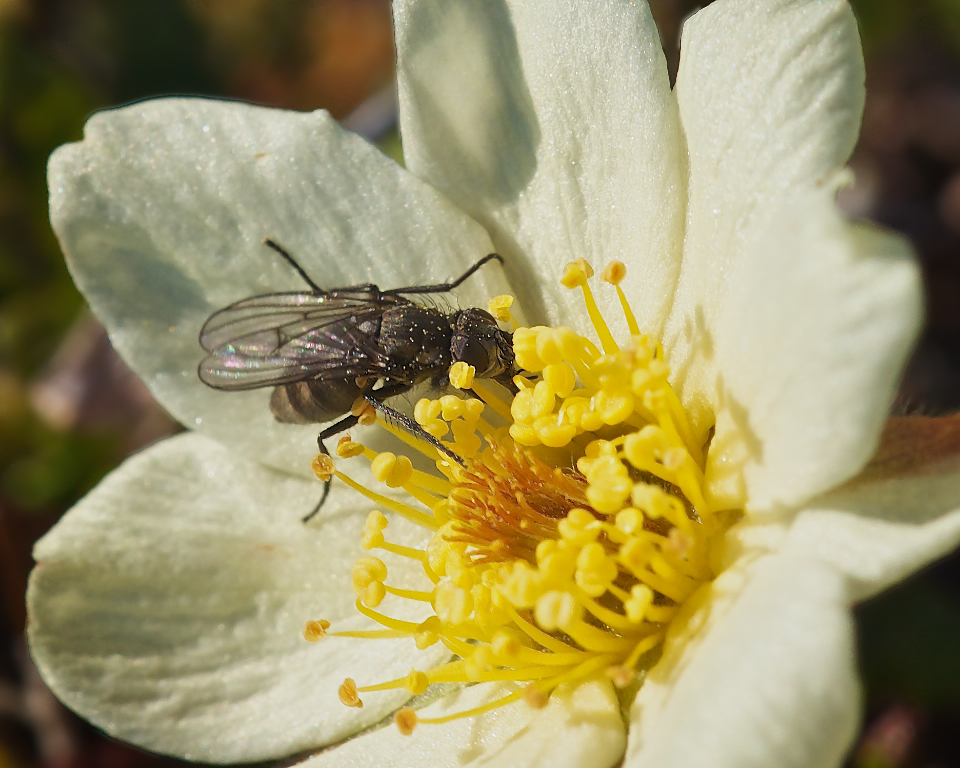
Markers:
(376, 399)
(341, 426)
(445, 287)
(293, 263)
(412, 427)
(436, 288)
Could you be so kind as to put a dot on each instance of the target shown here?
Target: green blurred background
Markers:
(70, 410)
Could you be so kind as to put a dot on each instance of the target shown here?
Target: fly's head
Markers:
(478, 341)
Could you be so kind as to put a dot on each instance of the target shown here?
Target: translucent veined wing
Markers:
(284, 337)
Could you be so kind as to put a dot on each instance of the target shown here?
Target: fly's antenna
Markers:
(293, 263)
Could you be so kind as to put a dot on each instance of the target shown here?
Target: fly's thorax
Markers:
(574, 532)
(415, 339)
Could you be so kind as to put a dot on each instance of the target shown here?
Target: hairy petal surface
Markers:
(167, 608)
(162, 211)
(579, 728)
(808, 349)
(770, 93)
(759, 672)
(554, 126)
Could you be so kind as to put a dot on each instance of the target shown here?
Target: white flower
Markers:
(166, 607)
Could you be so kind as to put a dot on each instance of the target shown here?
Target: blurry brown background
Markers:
(70, 410)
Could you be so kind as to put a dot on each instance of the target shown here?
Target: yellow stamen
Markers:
(499, 307)
(347, 448)
(534, 698)
(475, 711)
(364, 411)
(371, 634)
(575, 276)
(316, 630)
(322, 466)
(614, 273)
(496, 404)
(348, 694)
(409, 594)
(401, 509)
(621, 676)
(461, 375)
(412, 442)
(406, 720)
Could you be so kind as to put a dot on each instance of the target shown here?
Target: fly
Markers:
(323, 350)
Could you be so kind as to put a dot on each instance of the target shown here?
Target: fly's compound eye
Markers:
(475, 341)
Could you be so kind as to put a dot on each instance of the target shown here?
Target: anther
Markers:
(465, 437)
(374, 593)
(366, 414)
(578, 527)
(629, 520)
(452, 407)
(520, 584)
(452, 603)
(499, 307)
(426, 410)
(372, 536)
(560, 377)
(428, 633)
(472, 409)
(315, 630)
(505, 644)
(641, 598)
(347, 448)
(461, 375)
(417, 682)
(609, 484)
(680, 542)
(576, 273)
(614, 273)
(534, 698)
(557, 610)
(478, 663)
(406, 720)
(391, 469)
(550, 346)
(621, 676)
(348, 694)
(322, 466)
(595, 570)
(368, 574)
(674, 458)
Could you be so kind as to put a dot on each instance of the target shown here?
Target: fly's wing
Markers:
(280, 338)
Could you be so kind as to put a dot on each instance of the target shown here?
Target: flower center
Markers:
(576, 530)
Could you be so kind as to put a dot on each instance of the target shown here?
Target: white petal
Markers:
(808, 351)
(762, 674)
(880, 532)
(162, 210)
(579, 728)
(770, 94)
(553, 125)
(167, 608)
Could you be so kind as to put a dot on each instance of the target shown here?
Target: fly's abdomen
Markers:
(314, 401)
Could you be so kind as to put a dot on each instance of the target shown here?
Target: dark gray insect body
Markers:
(406, 345)
(323, 350)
